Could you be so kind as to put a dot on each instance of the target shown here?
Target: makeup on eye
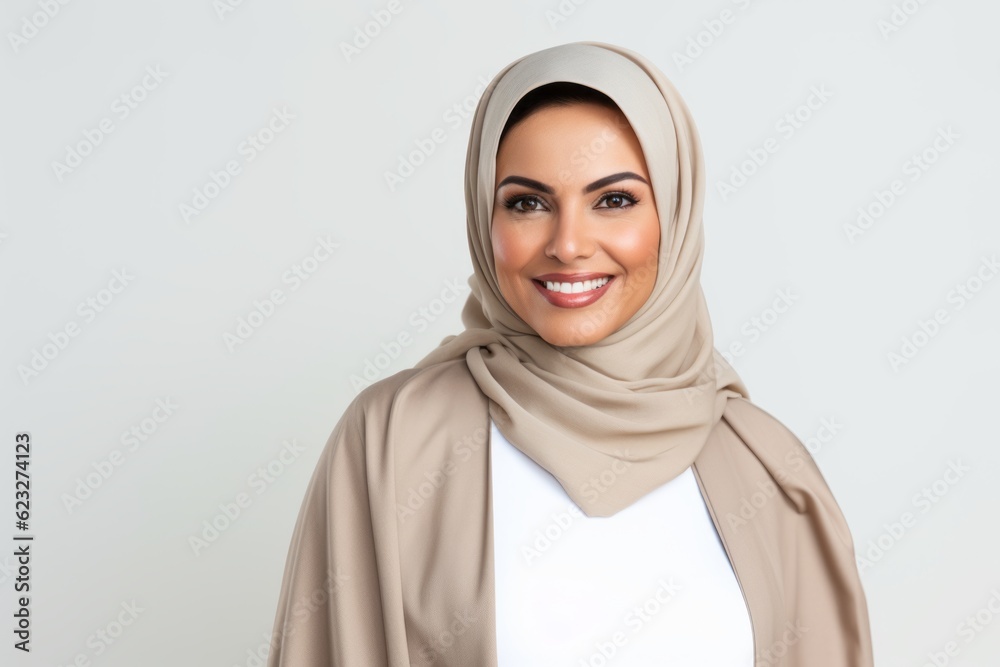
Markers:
(513, 201)
(629, 198)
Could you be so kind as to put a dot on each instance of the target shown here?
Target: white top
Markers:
(651, 585)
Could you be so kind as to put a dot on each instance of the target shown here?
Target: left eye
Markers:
(617, 200)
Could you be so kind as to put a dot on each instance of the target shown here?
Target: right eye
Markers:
(524, 203)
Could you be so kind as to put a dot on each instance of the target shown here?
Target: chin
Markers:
(572, 337)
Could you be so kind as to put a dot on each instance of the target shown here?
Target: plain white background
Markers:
(884, 433)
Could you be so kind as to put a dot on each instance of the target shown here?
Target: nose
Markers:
(570, 237)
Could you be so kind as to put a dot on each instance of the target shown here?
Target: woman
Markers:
(586, 376)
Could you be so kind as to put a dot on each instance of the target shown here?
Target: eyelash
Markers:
(512, 200)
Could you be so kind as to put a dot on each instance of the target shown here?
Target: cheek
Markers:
(639, 248)
(505, 257)
(511, 251)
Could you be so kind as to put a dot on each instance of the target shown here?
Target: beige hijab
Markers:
(391, 560)
(647, 395)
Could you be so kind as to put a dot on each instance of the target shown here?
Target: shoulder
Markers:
(412, 404)
(411, 420)
(441, 384)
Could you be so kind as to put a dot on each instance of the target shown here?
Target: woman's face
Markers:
(575, 232)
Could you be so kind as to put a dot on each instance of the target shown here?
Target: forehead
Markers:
(569, 141)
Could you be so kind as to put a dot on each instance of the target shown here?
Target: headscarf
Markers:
(647, 395)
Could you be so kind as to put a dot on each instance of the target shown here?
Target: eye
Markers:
(619, 199)
(524, 203)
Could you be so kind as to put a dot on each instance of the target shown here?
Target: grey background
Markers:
(899, 430)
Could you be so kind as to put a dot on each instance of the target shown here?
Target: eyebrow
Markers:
(596, 185)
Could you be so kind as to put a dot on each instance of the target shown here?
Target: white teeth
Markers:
(574, 288)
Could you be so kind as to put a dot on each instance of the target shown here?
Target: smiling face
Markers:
(575, 231)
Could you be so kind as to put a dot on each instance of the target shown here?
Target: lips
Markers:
(572, 290)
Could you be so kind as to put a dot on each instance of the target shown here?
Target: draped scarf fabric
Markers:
(645, 396)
